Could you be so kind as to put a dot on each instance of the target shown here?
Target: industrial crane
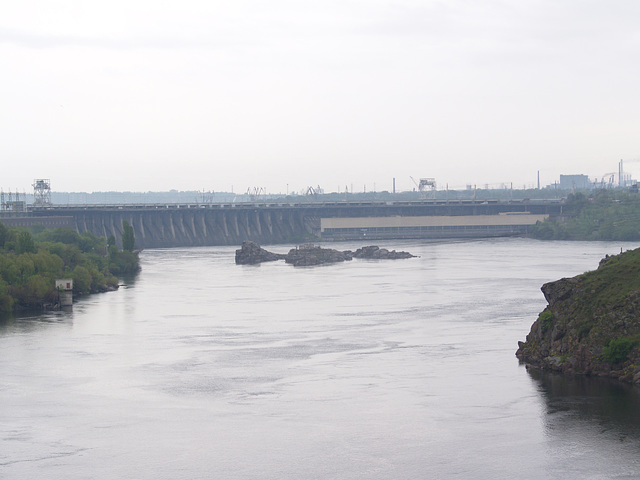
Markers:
(425, 183)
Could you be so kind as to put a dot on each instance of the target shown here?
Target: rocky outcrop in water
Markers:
(308, 255)
(377, 253)
(250, 253)
(592, 323)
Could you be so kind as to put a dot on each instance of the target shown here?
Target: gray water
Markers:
(199, 368)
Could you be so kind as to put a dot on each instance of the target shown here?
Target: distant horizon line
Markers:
(467, 188)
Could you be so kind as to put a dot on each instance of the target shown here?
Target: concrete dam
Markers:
(179, 225)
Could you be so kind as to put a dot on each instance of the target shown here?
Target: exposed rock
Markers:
(312, 255)
(376, 252)
(592, 323)
(309, 254)
(251, 253)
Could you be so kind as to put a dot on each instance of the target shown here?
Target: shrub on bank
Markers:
(618, 349)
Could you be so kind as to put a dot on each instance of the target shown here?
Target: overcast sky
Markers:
(141, 95)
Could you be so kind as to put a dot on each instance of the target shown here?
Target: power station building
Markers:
(570, 182)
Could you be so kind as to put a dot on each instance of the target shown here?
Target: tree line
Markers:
(32, 260)
(602, 215)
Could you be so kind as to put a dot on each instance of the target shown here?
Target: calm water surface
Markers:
(199, 368)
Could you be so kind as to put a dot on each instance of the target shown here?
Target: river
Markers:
(199, 368)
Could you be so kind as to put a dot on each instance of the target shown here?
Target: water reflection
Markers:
(575, 399)
(30, 321)
(128, 279)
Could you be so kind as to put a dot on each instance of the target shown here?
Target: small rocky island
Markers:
(592, 323)
(306, 255)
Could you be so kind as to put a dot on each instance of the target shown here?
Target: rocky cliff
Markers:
(592, 322)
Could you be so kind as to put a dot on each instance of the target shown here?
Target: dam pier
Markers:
(208, 224)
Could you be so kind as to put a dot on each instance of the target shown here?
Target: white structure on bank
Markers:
(64, 286)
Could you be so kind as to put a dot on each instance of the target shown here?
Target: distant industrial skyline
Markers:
(41, 193)
(152, 96)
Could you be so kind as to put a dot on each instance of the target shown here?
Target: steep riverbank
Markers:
(592, 322)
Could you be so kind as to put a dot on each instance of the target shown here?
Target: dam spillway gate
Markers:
(178, 225)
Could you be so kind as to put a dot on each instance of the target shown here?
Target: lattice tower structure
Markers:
(42, 191)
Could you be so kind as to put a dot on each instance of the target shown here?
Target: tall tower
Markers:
(42, 192)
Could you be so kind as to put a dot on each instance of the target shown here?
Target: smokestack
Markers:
(620, 174)
(538, 179)
(394, 184)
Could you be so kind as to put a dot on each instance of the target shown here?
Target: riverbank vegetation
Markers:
(30, 263)
(600, 215)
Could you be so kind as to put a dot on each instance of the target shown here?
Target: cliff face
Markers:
(592, 323)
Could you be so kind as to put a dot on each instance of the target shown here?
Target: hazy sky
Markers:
(156, 95)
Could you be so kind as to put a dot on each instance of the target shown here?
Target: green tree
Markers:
(6, 300)
(30, 264)
(47, 264)
(128, 240)
(89, 243)
(36, 290)
(4, 233)
(70, 254)
(81, 280)
(37, 228)
(25, 266)
(64, 235)
(26, 244)
(605, 215)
